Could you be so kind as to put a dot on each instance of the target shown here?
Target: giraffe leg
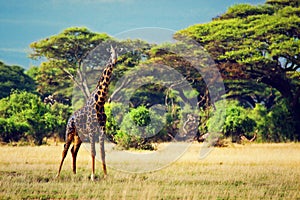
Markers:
(93, 168)
(102, 150)
(93, 154)
(65, 151)
(74, 151)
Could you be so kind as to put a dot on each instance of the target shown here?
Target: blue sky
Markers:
(23, 22)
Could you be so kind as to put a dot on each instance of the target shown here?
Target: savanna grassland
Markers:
(252, 171)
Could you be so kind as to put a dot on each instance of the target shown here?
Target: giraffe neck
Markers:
(103, 83)
(104, 80)
(102, 89)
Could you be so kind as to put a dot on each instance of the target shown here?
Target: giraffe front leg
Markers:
(102, 149)
(74, 151)
(65, 151)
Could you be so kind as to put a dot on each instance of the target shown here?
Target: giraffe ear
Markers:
(111, 49)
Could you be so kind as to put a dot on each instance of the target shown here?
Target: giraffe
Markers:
(90, 120)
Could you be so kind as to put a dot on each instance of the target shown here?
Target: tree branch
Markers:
(78, 84)
(171, 87)
(125, 82)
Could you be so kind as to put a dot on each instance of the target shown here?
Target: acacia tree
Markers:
(259, 43)
(65, 54)
(75, 54)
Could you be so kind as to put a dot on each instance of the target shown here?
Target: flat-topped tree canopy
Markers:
(259, 43)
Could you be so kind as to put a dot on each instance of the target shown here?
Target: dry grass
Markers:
(253, 171)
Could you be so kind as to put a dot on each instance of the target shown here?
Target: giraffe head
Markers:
(113, 55)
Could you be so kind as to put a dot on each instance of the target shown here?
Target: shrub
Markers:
(114, 113)
(26, 115)
(11, 130)
(233, 123)
(137, 127)
(280, 125)
(274, 125)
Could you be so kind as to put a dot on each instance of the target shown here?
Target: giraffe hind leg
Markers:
(93, 154)
(65, 151)
(102, 150)
(74, 151)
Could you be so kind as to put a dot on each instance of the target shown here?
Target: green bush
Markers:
(25, 115)
(140, 116)
(57, 118)
(280, 124)
(11, 130)
(217, 117)
(114, 113)
(233, 123)
(274, 125)
(137, 127)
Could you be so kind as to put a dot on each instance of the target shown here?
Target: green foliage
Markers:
(14, 78)
(70, 45)
(258, 114)
(283, 3)
(148, 94)
(140, 116)
(255, 47)
(280, 124)
(270, 125)
(245, 10)
(191, 93)
(233, 123)
(52, 81)
(114, 113)
(217, 117)
(257, 43)
(237, 122)
(172, 120)
(33, 72)
(65, 54)
(57, 118)
(136, 51)
(25, 115)
(137, 127)
(174, 55)
(11, 130)
(274, 125)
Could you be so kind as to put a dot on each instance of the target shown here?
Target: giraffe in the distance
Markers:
(90, 120)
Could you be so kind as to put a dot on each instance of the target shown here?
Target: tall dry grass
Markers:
(254, 171)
